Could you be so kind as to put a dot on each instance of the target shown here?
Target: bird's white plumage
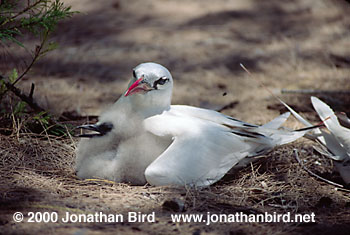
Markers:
(164, 144)
(336, 142)
(327, 115)
(203, 150)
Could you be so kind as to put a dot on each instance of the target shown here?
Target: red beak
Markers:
(137, 87)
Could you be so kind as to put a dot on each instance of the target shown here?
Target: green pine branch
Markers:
(38, 18)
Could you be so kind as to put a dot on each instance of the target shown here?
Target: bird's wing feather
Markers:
(330, 141)
(344, 170)
(270, 129)
(277, 122)
(200, 154)
(327, 115)
(209, 115)
(326, 139)
(316, 134)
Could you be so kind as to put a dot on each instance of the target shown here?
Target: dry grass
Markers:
(36, 174)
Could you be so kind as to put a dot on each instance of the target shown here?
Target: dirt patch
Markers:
(299, 45)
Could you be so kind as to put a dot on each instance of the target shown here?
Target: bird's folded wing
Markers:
(201, 152)
(269, 129)
(330, 141)
(327, 115)
(209, 115)
(316, 134)
(326, 139)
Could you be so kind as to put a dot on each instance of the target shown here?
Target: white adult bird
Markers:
(143, 138)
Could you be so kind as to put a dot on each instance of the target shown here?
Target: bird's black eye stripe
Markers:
(160, 81)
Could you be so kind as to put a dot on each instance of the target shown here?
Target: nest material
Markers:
(37, 174)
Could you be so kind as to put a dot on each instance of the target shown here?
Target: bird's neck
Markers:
(151, 105)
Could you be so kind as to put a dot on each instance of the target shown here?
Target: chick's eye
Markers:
(134, 73)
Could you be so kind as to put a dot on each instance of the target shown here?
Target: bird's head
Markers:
(151, 83)
(149, 77)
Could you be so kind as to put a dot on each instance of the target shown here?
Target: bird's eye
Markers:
(160, 81)
(134, 73)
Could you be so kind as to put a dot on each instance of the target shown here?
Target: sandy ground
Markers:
(295, 45)
(291, 45)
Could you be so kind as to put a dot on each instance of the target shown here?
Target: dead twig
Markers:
(342, 189)
(26, 98)
(312, 173)
(314, 92)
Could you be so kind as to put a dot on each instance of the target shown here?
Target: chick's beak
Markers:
(139, 86)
